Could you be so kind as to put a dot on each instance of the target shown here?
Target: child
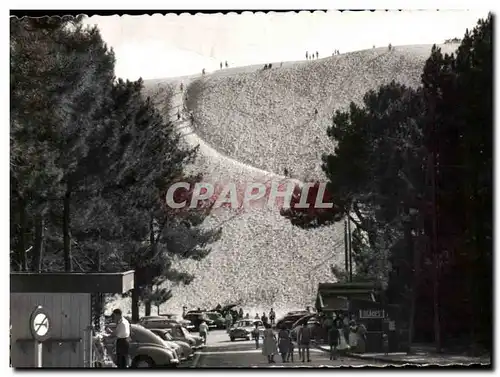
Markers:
(385, 340)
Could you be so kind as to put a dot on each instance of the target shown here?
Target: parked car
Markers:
(197, 319)
(228, 309)
(182, 321)
(158, 323)
(290, 318)
(243, 328)
(183, 349)
(218, 320)
(180, 333)
(146, 350)
(310, 319)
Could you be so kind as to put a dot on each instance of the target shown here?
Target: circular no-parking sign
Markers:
(40, 324)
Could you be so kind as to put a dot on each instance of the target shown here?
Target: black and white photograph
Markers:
(251, 189)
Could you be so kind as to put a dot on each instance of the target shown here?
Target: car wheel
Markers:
(143, 362)
(232, 339)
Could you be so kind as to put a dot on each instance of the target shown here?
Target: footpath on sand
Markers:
(421, 358)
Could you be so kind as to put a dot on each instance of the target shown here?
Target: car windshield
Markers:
(258, 323)
(176, 332)
(139, 334)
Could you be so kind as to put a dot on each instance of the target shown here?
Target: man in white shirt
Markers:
(204, 331)
(122, 334)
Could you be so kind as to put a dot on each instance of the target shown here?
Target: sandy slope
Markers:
(249, 123)
(266, 118)
(245, 264)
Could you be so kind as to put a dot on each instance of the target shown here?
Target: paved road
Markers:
(220, 352)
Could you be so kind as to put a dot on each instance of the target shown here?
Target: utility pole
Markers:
(349, 236)
(346, 246)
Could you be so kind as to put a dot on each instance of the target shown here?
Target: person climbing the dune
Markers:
(203, 71)
(316, 112)
(220, 65)
(182, 87)
(317, 55)
(307, 55)
(227, 66)
(178, 115)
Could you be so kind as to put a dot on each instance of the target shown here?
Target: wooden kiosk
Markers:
(63, 301)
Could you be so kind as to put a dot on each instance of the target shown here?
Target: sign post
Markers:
(39, 326)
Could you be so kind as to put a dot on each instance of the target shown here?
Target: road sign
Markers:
(40, 324)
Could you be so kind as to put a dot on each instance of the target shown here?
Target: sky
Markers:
(175, 45)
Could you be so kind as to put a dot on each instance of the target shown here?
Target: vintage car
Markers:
(243, 329)
(180, 333)
(147, 350)
(290, 318)
(182, 321)
(197, 318)
(184, 350)
(218, 320)
(177, 331)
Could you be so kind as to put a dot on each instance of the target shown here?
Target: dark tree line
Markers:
(91, 161)
(413, 170)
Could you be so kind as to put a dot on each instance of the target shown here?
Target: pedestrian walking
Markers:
(264, 319)
(256, 334)
(362, 338)
(229, 321)
(227, 66)
(220, 65)
(333, 341)
(385, 344)
(203, 331)
(182, 87)
(284, 343)
(269, 348)
(307, 55)
(290, 350)
(304, 338)
(122, 334)
(317, 55)
(353, 335)
(272, 316)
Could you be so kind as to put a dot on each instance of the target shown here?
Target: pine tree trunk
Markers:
(68, 262)
(415, 251)
(437, 324)
(39, 242)
(21, 245)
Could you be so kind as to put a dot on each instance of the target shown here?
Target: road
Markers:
(220, 352)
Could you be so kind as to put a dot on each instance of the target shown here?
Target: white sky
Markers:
(167, 46)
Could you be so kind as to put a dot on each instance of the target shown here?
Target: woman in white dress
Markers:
(269, 347)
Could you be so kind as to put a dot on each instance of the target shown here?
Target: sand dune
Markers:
(267, 118)
(250, 125)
